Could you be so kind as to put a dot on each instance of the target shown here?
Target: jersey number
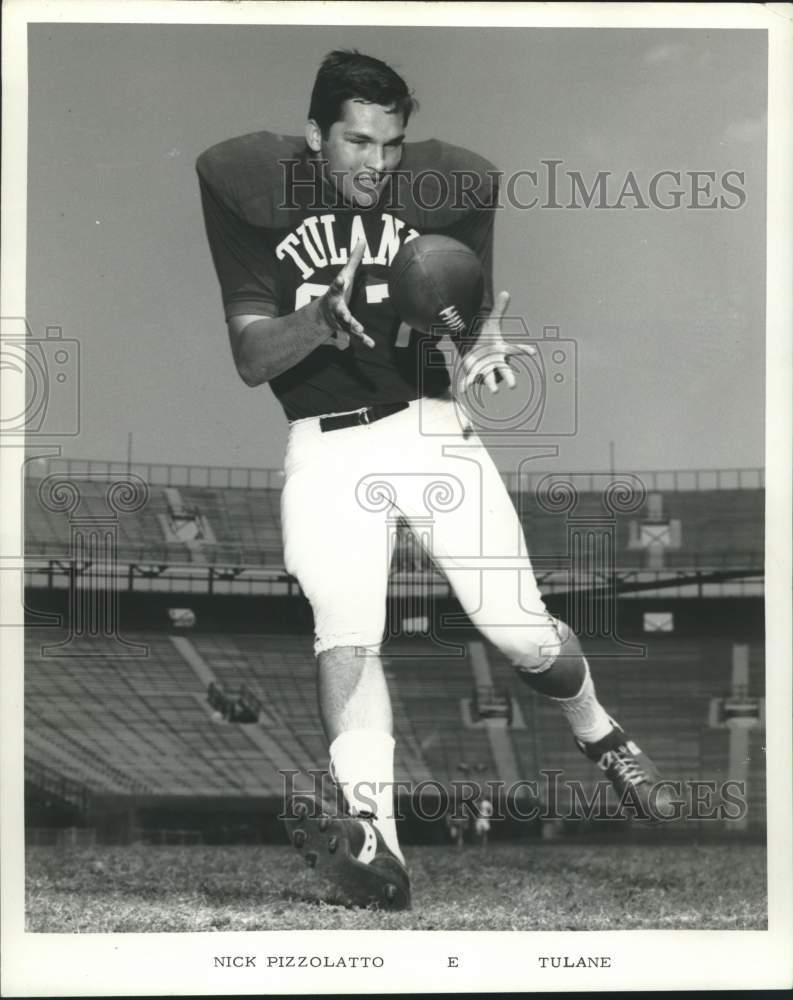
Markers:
(309, 291)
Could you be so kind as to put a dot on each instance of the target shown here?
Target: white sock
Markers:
(587, 717)
(362, 765)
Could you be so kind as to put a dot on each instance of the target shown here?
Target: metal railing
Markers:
(58, 564)
(228, 477)
(653, 480)
(223, 556)
(161, 473)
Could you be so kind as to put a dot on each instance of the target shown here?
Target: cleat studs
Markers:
(390, 892)
(299, 838)
(300, 810)
(311, 859)
(324, 823)
(333, 843)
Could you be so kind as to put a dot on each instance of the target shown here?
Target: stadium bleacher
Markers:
(147, 718)
(246, 523)
(142, 726)
(139, 534)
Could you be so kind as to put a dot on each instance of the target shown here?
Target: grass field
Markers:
(536, 886)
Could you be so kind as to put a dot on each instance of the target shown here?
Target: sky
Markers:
(665, 307)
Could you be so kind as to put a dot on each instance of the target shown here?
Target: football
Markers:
(436, 285)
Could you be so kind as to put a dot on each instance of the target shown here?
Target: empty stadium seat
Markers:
(717, 526)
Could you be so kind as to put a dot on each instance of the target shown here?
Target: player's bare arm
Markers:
(265, 347)
(488, 359)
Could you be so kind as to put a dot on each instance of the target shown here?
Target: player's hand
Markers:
(488, 359)
(334, 304)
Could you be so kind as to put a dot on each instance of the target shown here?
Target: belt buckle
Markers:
(365, 416)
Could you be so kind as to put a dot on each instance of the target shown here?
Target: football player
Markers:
(302, 231)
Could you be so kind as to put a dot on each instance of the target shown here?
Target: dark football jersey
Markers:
(279, 233)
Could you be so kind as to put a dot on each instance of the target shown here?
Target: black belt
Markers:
(368, 416)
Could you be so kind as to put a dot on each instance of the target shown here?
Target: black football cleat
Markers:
(632, 774)
(350, 857)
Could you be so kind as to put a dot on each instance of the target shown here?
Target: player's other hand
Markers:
(488, 360)
(334, 304)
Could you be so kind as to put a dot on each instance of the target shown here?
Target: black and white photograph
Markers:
(396, 507)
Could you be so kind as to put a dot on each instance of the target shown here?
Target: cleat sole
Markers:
(345, 880)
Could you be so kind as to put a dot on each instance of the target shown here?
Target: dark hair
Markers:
(346, 74)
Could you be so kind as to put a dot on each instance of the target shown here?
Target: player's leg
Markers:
(340, 555)
(352, 691)
(355, 707)
(561, 672)
(505, 604)
(503, 601)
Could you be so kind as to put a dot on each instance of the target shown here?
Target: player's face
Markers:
(360, 150)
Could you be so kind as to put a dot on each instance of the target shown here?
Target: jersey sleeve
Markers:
(244, 265)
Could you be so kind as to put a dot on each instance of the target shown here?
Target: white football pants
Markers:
(343, 493)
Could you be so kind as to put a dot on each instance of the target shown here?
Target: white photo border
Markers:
(180, 964)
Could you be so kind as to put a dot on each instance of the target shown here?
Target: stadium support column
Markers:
(739, 713)
(93, 606)
(496, 729)
(739, 727)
